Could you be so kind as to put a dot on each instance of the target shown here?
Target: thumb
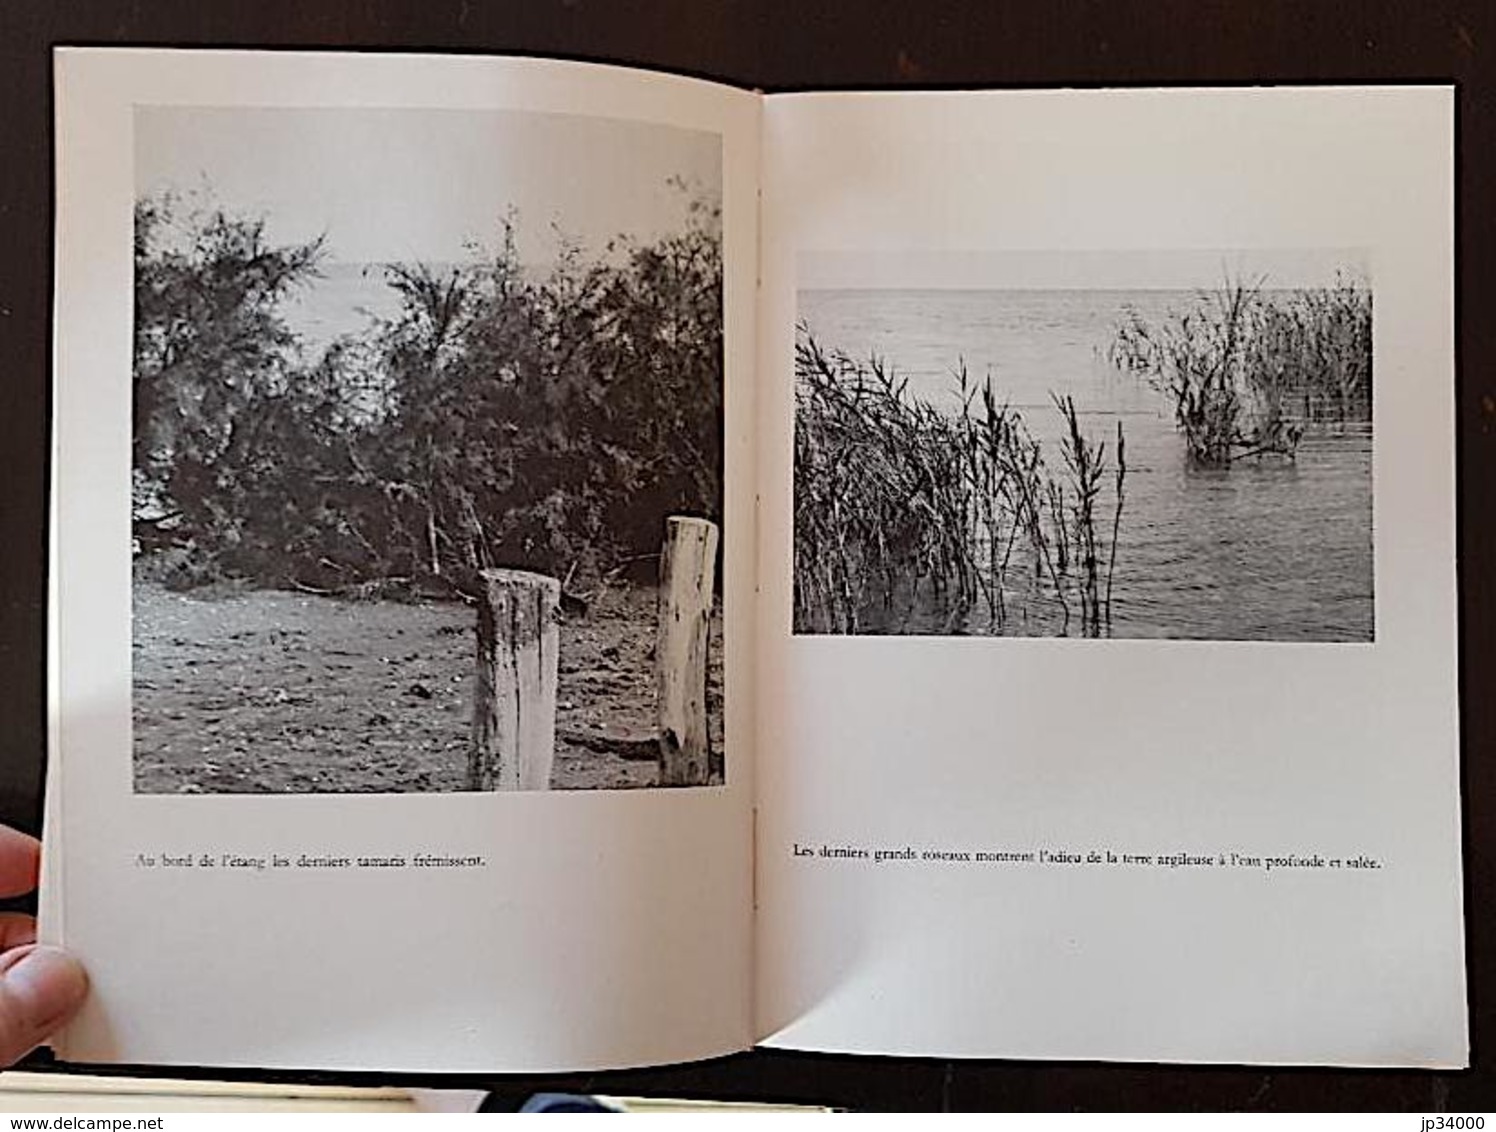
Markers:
(40, 989)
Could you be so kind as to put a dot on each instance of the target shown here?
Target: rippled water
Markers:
(1262, 550)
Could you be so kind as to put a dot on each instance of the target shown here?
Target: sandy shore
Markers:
(261, 691)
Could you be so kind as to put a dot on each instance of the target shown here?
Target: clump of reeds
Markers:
(1319, 344)
(894, 495)
(1245, 369)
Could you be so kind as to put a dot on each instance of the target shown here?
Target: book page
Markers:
(1108, 634)
(382, 381)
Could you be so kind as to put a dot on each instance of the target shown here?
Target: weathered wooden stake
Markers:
(687, 564)
(514, 706)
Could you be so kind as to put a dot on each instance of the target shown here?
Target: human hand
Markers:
(40, 987)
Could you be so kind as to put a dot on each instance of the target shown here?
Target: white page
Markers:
(1321, 743)
(600, 928)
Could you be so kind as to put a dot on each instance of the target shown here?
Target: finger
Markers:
(19, 857)
(16, 930)
(40, 989)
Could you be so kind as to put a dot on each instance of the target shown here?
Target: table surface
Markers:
(808, 44)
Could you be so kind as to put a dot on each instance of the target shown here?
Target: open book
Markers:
(562, 567)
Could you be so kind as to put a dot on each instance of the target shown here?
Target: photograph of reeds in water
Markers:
(1164, 461)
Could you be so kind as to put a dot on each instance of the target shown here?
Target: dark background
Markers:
(794, 46)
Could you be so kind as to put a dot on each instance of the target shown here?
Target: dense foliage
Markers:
(546, 419)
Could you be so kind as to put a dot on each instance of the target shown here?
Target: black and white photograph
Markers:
(1167, 445)
(427, 452)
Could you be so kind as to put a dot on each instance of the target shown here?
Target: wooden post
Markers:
(514, 704)
(687, 564)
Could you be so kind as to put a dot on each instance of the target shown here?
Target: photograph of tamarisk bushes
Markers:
(421, 399)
